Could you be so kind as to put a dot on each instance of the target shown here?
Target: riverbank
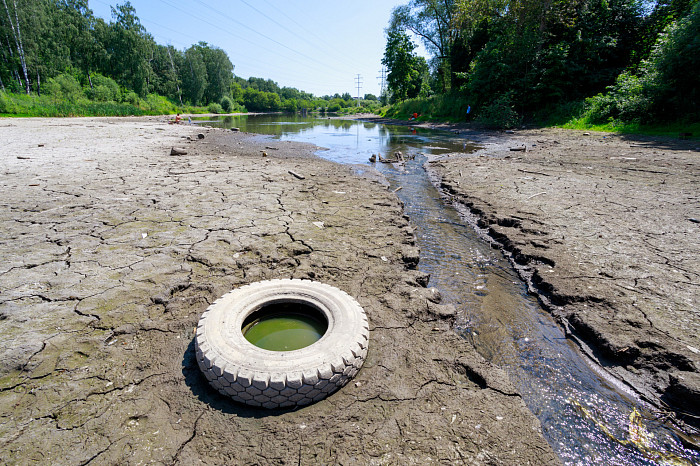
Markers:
(605, 228)
(113, 248)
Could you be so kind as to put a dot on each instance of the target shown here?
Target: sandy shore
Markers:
(113, 248)
(606, 230)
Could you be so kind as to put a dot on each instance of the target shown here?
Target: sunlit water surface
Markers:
(585, 418)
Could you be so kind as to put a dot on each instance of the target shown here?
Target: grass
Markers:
(18, 105)
(448, 108)
(21, 105)
(674, 129)
(452, 109)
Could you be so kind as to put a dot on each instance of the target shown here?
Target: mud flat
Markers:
(112, 248)
(606, 229)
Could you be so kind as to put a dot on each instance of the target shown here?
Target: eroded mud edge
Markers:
(658, 366)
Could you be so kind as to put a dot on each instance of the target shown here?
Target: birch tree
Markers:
(17, 35)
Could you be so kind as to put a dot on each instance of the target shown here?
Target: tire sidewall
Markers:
(222, 349)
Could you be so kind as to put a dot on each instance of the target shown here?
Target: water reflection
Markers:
(585, 418)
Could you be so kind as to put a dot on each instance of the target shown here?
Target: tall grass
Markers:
(21, 105)
(578, 116)
(571, 115)
(441, 107)
(663, 129)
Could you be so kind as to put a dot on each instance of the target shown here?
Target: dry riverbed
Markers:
(112, 248)
(606, 229)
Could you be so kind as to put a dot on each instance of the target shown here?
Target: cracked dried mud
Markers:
(112, 249)
(606, 230)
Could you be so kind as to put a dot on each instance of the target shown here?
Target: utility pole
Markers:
(382, 88)
(358, 81)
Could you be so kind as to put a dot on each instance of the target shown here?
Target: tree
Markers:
(193, 74)
(431, 20)
(128, 47)
(407, 71)
(219, 72)
(16, 31)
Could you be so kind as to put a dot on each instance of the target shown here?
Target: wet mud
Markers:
(112, 248)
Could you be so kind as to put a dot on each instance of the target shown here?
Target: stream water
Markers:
(586, 418)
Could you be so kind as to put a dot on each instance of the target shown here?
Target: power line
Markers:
(322, 68)
(324, 42)
(261, 34)
(315, 64)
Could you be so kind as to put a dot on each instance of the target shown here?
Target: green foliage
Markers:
(48, 106)
(215, 108)
(664, 87)
(605, 62)
(130, 97)
(500, 114)
(6, 104)
(261, 101)
(290, 105)
(155, 104)
(226, 104)
(449, 107)
(431, 21)
(408, 72)
(219, 72)
(64, 86)
(103, 89)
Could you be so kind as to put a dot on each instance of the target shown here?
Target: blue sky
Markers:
(318, 46)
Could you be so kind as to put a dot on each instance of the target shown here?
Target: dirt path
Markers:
(113, 248)
(607, 229)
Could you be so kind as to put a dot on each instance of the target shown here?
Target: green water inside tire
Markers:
(284, 327)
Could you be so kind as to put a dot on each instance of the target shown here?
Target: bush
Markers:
(215, 108)
(451, 107)
(500, 114)
(664, 88)
(132, 98)
(64, 86)
(103, 89)
(158, 105)
(226, 104)
(6, 104)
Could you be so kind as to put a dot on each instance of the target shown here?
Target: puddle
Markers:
(284, 327)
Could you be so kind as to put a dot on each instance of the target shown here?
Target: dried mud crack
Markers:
(112, 250)
(602, 228)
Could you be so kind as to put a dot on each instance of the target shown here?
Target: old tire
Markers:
(274, 379)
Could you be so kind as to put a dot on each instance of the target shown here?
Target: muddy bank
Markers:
(112, 250)
(606, 229)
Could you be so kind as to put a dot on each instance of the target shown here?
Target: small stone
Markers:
(178, 151)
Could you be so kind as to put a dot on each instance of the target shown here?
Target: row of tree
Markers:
(258, 94)
(59, 47)
(528, 55)
(42, 39)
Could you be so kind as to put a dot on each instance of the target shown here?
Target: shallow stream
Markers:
(586, 418)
